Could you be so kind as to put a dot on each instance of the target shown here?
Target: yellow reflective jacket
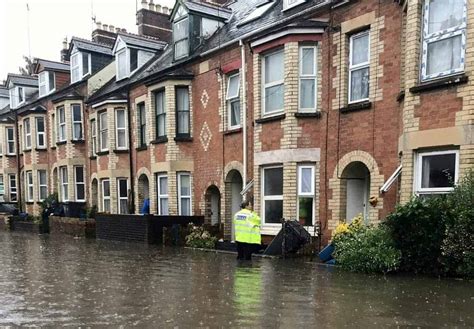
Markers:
(247, 227)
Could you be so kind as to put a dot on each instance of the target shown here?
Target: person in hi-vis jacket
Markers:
(247, 231)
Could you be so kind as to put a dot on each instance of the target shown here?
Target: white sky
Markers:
(53, 20)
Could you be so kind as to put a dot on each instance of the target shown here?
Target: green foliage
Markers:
(200, 238)
(418, 229)
(366, 249)
(458, 247)
(50, 200)
(91, 212)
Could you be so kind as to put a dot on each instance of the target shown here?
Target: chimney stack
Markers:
(105, 34)
(153, 21)
(64, 51)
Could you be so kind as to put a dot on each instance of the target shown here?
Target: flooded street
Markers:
(51, 281)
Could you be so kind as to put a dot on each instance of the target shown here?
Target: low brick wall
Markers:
(26, 226)
(3, 224)
(72, 226)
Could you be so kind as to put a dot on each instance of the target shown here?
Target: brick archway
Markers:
(143, 188)
(337, 203)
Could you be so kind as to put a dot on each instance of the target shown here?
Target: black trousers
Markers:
(245, 250)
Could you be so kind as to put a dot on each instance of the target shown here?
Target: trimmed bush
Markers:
(200, 238)
(366, 249)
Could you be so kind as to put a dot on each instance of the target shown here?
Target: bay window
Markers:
(64, 184)
(104, 131)
(436, 171)
(94, 137)
(2, 187)
(79, 184)
(160, 112)
(359, 67)
(13, 188)
(27, 131)
(162, 192)
(182, 112)
(306, 195)
(29, 186)
(273, 68)
(142, 124)
(43, 185)
(121, 129)
(40, 133)
(233, 100)
(61, 117)
(184, 194)
(122, 192)
(77, 133)
(272, 195)
(308, 79)
(10, 132)
(444, 38)
(106, 195)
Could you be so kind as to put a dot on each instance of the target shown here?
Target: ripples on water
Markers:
(52, 281)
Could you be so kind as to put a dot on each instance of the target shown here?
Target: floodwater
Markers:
(51, 281)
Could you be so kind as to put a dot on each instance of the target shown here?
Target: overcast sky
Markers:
(53, 20)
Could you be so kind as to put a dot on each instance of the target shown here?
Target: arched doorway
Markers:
(213, 206)
(143, 191)
(94, 193)
(357, 185)
(234, 186)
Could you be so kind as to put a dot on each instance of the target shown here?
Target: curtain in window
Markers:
(444, 55)
(182, 103)
(445, 14)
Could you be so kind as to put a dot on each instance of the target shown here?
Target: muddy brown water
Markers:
(51, 281)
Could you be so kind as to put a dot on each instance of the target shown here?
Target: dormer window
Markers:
(127, 62)
(287, 4)
(17, 96)
(80, 66)
(181, 33)
(46, 83)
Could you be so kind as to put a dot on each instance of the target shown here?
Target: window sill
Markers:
(301, 115)
(61, 143)
(102, 153)
(10, 155)
(93, 157)
(356, 107)
(271, 118)
(440, 83)
(183, 139)
(121, 151)
(78, 141)
(29, 202)
(41, 149)
(160, 140)
(26, 150)
(401, 96)
(233, 131)
(53, 147)
(141, 148)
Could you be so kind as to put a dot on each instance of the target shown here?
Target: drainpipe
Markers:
(244, 110)
(130, 150)
(18, 167)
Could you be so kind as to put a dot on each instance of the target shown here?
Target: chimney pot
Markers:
(105, 27)
(144, 4)
(124, 30)
(98, 25)
(111, 28)
(117, 29)
(151, 6)
(165, 10)
(65, 43)
(158, 8)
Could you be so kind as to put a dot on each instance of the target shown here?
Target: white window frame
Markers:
(272, 84)
(10, 142)
(43, 187)
(62, 137)
(270, 197)
(29, 186)
(77, 183)
(13, 190)
(27, 132)
(181, 20)
(121, 129)
(231, 99)
(21, 92)
(429, 38)
(142, 125)
(359, 66)
(180, 197)
(77, 122)
(40, 133)
(120, 198)
(120, 53)
(79, 66)
(104, 145)
(54, 132)
(288, 4)
(162, 196)
(64, 183)
(94, 136)
(1, 145)
(419, 172)
(159, 115)
(302, 194)
(43, 81)
(2, 186)
(104, 197)
(308, 77)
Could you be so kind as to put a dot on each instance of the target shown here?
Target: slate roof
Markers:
(4, 92)
(6, 115)
(90, 46)
(23, 80)
(208, 9)
(52, 65)
(142, 42)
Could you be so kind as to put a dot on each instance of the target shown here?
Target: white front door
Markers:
(356, 198)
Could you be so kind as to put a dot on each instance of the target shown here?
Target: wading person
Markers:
(247, 231)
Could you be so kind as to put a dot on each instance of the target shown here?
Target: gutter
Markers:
(130, 147)
(18, 167)
(244, 110)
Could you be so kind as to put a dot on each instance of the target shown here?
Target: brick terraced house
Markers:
(316, 110)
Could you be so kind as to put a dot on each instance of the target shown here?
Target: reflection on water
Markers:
(49, 281)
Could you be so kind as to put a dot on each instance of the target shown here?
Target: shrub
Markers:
(418, 229)
(360, 248)
(200, 238)
(457, 250)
